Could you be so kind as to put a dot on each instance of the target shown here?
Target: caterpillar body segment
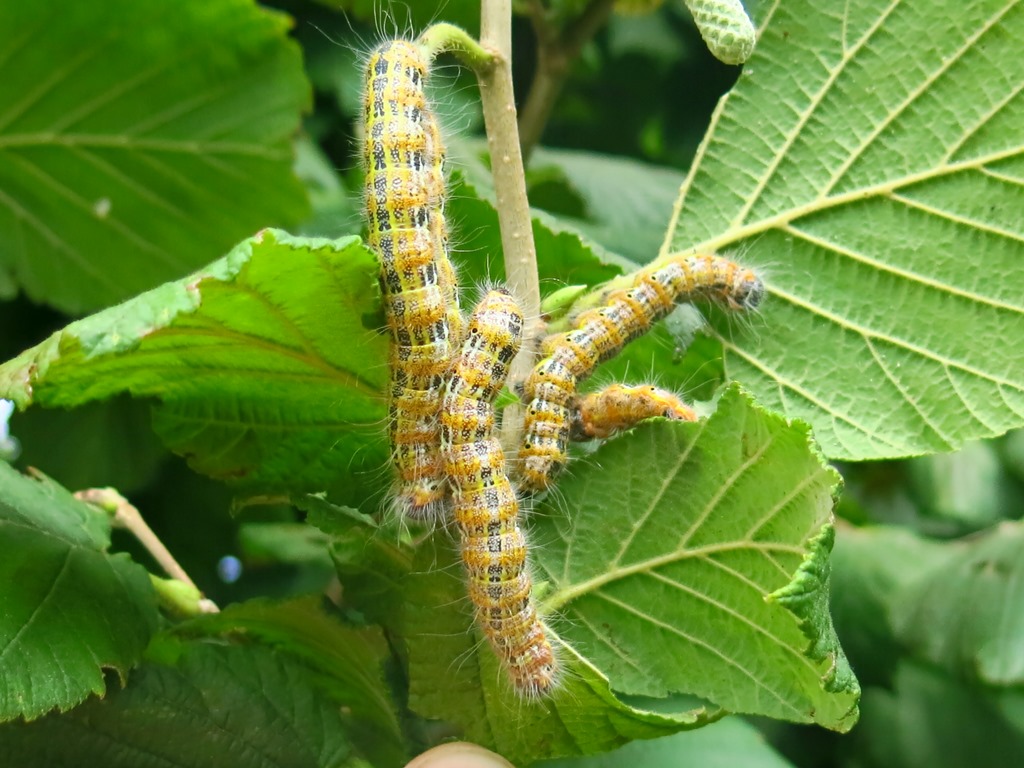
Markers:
(437, 196)
(548, 394)
(404, 157)
(706, 276)
(600, 334)
(486, 508)
(620, 407)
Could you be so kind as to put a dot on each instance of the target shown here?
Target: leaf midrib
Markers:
(821, 204)
(565, 595)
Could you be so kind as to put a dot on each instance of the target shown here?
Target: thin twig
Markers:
(126, 516)
(499, 106)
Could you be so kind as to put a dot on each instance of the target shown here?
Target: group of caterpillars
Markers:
(446, 371)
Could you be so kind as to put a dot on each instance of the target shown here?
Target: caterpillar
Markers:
(568, 358)
(404, 157)
(486, 508)
(726, 28)
(618, 407)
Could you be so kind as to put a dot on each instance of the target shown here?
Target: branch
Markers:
(499, 106)
(128, 517)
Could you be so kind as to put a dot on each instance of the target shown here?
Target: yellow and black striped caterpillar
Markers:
(620, 406)
(486, 508)
(405, 191)
(600, 334)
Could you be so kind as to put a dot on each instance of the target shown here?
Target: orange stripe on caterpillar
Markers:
(486, 508)
(601, 333)
(404, 160)
(620, 407)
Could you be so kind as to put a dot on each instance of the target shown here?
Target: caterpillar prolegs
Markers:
(405, 191)
(600, 333)
(486, 507)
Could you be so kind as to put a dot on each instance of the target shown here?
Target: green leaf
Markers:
(331, 518)
(267, 363)
(968, 615)
(292, 543)
(870, 161)
(728, 743)
(700, 565)
(454, 676)
(138, 141)
(68, 610)
(807, 598)
(211, 706)
(347, 661)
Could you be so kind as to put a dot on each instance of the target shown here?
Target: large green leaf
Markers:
(700, 565)
(871, 161)
(210, 706)
(68, 610)
(268, 364)
(138, 141)
(348, 663)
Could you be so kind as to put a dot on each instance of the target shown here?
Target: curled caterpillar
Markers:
(619, 407)
(486, 508)
(404, 161)
(600, 333)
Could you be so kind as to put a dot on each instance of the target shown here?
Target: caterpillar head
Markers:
(749, 292)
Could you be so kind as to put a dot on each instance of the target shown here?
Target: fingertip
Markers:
(459, 754)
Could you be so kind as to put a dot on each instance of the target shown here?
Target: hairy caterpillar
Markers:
(727, 30)
(619, 407)
(600, 333)
(404, 160)
(486, 507)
